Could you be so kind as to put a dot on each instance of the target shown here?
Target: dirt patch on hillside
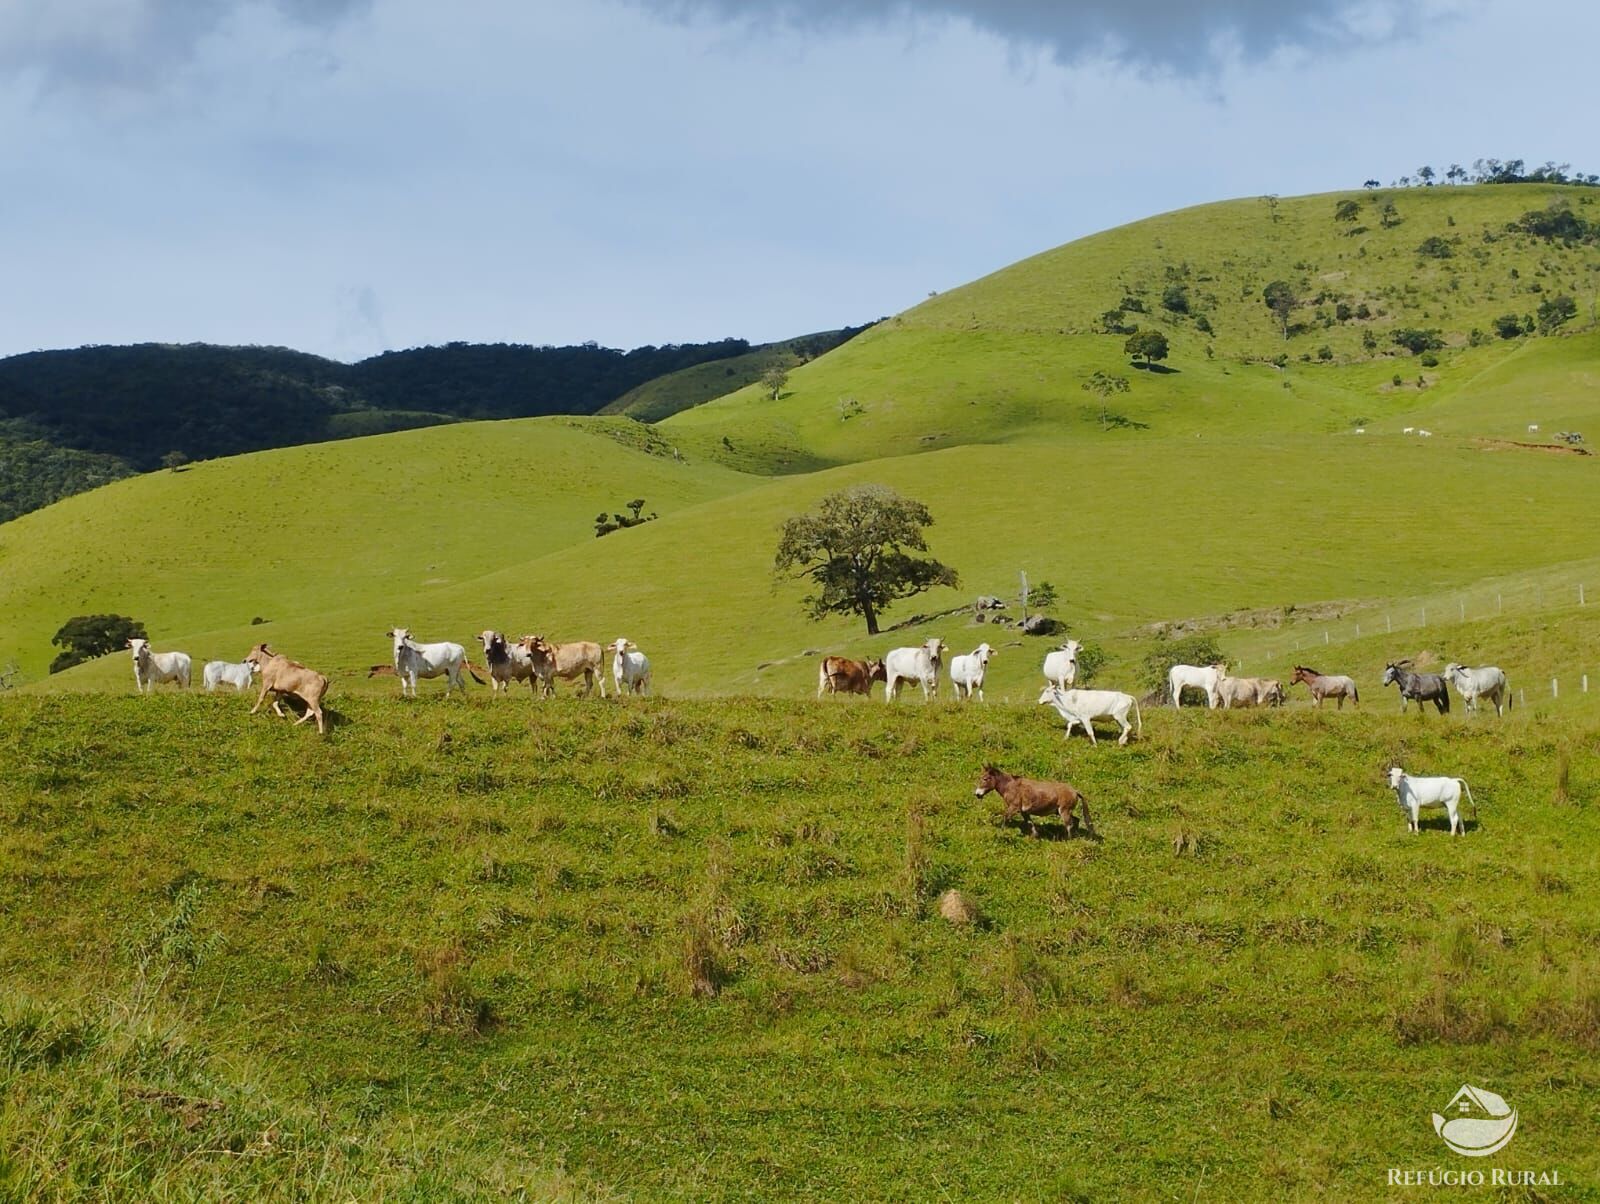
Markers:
(1270, 617)
(1560, 449)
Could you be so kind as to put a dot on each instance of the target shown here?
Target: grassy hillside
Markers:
(450, 951)
(300, 531)
(1008, 354)
(674, 391)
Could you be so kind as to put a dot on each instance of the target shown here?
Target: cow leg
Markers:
(260, 698)
(1127, 730)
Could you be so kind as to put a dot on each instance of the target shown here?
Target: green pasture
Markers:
(452, 951)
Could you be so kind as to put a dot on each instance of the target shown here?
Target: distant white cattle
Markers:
(1408, 430)
(630, 668)
(920, 664)
(1472, 684)
(150, 669)
(966, 672)
(1413, 794)
(1085, 706)
(1533, 428)
(413, 660)
(1199, 677)
(1061, 665)
(227, 673)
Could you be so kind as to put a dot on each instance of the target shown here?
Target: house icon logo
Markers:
(1476, 1123)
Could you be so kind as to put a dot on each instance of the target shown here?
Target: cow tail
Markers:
(1470, 799)
(1083, 801)
(1138, 718)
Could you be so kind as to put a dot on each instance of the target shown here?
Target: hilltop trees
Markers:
(1555, 312)
(84, 637)
(855, 547)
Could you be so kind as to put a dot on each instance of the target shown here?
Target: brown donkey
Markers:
(1028, 797)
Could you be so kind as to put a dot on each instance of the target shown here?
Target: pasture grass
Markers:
(678, 949)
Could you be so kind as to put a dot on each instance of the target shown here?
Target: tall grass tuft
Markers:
(914, 870)
(449, 1002)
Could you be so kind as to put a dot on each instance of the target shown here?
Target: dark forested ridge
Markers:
(70, 420)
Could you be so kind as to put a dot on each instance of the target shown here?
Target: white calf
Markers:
(150, 669)
(920, 664)
(1413, 794)
(630, 668)
(413, 660)
(1061, 666)
(1085, 706)
(1200, 678)
(966, 672)
(228, 673)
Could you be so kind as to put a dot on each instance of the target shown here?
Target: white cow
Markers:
(1424, 434)
(920, 664)
(1199, 677)
(1413, 794)
(1061, 666)
(1085, 706)
(1533, 428)
(1472, 684)
(228, 673)
(508, 663)
(150, 669)
(630, 668)
(1408, 430)
(966, 672)
(413, 660)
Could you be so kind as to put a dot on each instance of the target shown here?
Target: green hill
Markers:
(666, 395)
(1007, 356)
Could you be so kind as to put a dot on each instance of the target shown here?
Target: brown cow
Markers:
(281, 676)
(1028, 797)
(841, 675)
(550, 661)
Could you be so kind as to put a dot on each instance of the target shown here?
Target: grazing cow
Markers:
(630, 668)
(920, 664)
(1424, 434)
(1027, 797)
(508, 663)
(150, 669)
(1421, 687)
(1061, 665)
(1326, 685)
(1408, 430)
(582, 658)
(966, 672)
(1472, 684)
(841, 675)
(1249, 692)
(413, 660)
(282, 678)
(227, 673)
(1197, 677)
(1085, 706)
(1415, 793)
(1533, 428)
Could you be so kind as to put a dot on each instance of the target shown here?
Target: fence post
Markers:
(1585, 683)
(1358, 631)
(1325, 635)
(1463, 611)
(1388, 624)
(1424, 616)
(1497, 604)
(1555, 688)
(1580, 595)
(1522, 698)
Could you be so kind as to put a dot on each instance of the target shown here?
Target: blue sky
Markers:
(347, 176)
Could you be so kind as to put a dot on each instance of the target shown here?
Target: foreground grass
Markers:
(691, 950)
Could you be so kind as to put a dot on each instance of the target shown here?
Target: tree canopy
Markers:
(1280, 299)
(84, 637)
(856, 549)
(1148, 345)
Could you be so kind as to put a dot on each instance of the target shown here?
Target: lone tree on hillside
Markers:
(84, 637)
(1103, 385)
(773, 380)
(855, 547)
(1280, 299)
(1347, 210)
(1149, 345)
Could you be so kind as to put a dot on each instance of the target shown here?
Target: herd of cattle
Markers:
(540, 662)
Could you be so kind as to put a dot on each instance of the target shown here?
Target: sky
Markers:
(352, 176)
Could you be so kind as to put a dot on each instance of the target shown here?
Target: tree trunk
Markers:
(871, 616)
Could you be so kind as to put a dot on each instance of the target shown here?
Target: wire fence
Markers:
(1398, 628)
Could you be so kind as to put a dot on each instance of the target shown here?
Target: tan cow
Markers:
(568, 661)
(841, 675)
(281, 677)
(1249, 692)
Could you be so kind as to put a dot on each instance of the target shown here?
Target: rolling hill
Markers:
(1225, 482)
